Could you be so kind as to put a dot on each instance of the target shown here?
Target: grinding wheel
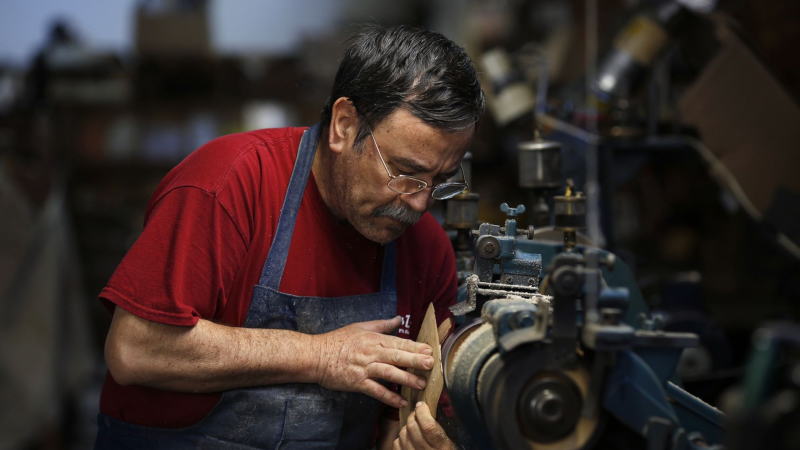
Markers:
(528, 405)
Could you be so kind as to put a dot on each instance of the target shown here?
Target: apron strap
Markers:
(272, 272)
(388, 268)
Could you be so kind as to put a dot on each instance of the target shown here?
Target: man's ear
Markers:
(344, 125)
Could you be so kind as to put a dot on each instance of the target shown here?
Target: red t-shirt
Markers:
(208, 229)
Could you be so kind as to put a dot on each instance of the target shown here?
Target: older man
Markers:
(254, 310)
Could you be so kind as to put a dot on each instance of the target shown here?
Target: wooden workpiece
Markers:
(428, 334)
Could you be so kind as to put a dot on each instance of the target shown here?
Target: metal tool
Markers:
(461, 215)
(536, 369)
(540, 174)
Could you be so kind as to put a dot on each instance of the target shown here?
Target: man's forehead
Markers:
(401, 120)
(443, 158)
(420, 147)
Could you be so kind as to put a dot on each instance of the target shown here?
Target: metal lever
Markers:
(512, 212)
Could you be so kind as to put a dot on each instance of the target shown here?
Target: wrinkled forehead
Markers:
(408, 140)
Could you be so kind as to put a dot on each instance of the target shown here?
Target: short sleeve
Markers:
(181, 267)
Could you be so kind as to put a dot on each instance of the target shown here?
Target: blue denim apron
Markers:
(285, 416)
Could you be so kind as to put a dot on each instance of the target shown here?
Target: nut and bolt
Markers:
(547, 406)
(522, 319)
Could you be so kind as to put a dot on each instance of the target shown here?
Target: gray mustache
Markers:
(399, 213)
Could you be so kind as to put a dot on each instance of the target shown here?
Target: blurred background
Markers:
(678, 119)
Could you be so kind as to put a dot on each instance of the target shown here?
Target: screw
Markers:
(488, 247)
(566, 281)
(548, 406)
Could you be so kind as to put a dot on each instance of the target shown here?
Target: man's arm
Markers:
(210, 357)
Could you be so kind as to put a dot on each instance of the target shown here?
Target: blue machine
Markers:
(555, 343)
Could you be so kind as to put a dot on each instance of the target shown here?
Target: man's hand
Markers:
(353, 357)
(422, 432)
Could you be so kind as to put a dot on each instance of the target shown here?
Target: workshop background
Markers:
(695, 154)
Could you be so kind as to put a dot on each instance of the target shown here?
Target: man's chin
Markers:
(382, 230)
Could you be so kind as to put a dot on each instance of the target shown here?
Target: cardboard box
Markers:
(751, 125)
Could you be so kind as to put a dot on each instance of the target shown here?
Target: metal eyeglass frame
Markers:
(421, 184)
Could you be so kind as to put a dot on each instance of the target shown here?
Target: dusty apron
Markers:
(287, 415)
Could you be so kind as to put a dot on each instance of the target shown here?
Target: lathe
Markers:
(555, 348)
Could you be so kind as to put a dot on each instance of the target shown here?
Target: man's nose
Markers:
(420, 201)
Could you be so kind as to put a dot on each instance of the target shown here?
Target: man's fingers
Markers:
(430, 429)
(422, 411)
(406, 345)
(390, 326)
(382, 394)
(402, 358)
(402, 439)
(415, 432)
(381, 326)
(393, 374)
(422, 431)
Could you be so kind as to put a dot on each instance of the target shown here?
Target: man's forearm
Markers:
(207, 357)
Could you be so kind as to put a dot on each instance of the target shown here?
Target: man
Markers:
(254, 311)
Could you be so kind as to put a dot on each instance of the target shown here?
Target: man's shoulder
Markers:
(238, 155)
(272, 146)
(269, 139)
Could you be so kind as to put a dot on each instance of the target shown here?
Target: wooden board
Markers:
(428, 334)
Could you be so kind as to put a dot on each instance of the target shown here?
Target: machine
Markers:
(555, 345)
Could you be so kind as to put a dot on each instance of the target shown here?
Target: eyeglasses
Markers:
(407, 185)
